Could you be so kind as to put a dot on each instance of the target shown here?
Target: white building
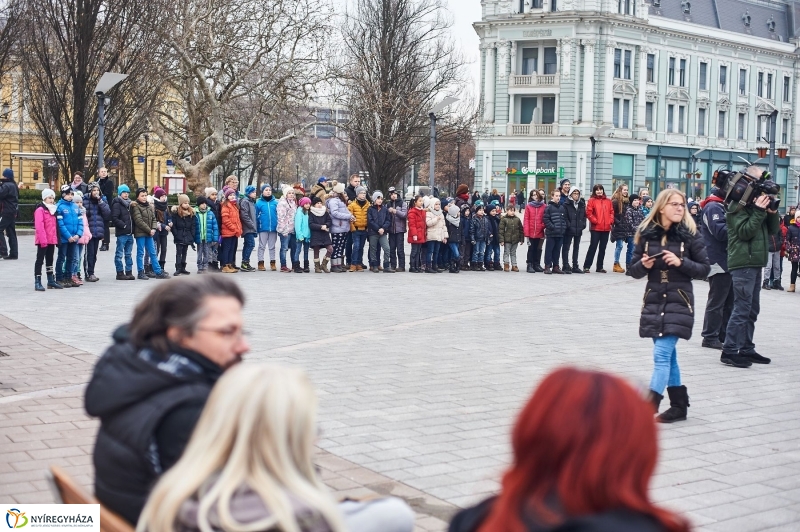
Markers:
(668, 78)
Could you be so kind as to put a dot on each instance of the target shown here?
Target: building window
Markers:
(671, 76)
(617, 63)
(324, 131)
(554, 5)
(550, 60)
(740, 126)
(681, 118)
(547, 159)
(785, 131)
(721, 125)
(622, 170)
(615, 118)
(786, 82)
(762, 128)
(626, 7)
(530, 61)
(517, 159)
(742, 81)
(723, 79)
(769, 86)
(538, 4)
(703, 76)
(648, 116)
(683, 73)
(670, 118)
(627, 70)
(761, 84)
(651, 68)
(526, 109)
(548, 109)
(626, 113)
(701, 122)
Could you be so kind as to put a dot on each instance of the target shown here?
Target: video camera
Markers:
(743, 188)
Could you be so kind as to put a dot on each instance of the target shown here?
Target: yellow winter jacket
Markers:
(360, 224)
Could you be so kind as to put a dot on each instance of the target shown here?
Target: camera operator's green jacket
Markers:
(748, 235)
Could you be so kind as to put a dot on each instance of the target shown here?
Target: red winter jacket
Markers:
(231, 222)
(600, 213)
(533, 225)
(416, 225)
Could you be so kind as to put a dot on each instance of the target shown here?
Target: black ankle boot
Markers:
(678, 405)
(655, 399)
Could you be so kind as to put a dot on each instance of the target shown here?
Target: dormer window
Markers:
(686, 6)
(656, 3)
(771, 24)
(746, 19)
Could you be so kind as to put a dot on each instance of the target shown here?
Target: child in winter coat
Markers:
(436, 232)
(98, 214)
(266, 225)
(634, 216)
(600, 213)
(479, 234)
(206, 234)
(46, 239)
(85, 238)
(492, 258)
(379, 221)
(417, 230)
(793, 249)
(555, 224)
(511, 234)
(455, 235)
(320, 223)
(183, 232)
(70, 229)
(466, 244)
(247, 214)
(534, 231)
(302, 236)
(164, 221)
(358, 227)
(231, 229)
(340, 226)
(287, 207)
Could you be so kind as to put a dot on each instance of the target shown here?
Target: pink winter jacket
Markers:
(46, 227)
(87, 235)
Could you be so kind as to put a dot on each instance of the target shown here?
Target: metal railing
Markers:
(532, 130)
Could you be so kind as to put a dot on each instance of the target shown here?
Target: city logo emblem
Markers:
(19, 519)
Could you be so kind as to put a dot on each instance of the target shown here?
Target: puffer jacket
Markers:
(621, 229)
(378, 218)
(286, 211)
(360, 212)
(600, 213)
(121, 217)
(87, 233)
(231, 221)
(399, 217)
(144, 219)
(206, 228)
(302, 232)
(668, 303)
(163, 216)
(319, 237)
(479, 229)
(45, 225)
(247, 215)
(555, 221)
(455, 233)
(340, 215)
(9, 198)
(417, 225)
(466, 223)
(98, 213)
(266, 214)
(183, 227)
(534, 219)
(511, 231)
(634, 218)
(70, 221)
(748, 235)
(494, 228)
(575, 213)
(436, 229)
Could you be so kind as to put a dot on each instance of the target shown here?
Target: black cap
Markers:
(140, 190)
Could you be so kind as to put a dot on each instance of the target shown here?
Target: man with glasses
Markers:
(150, 387)
(749, 228)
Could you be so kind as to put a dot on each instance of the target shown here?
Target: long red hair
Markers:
(585, 441)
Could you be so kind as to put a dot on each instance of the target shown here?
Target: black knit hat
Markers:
(633, 197)
(201, 200)
(140, 190)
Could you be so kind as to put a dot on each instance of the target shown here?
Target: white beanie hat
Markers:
(427, 201)
(47, 193)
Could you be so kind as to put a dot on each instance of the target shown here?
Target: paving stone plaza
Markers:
(420, 378)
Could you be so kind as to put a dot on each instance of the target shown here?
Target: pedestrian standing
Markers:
(206, 234)
(302, 236)
(670, 253)
(46, 239)
(266, 225)
(417, 230)
(358, 227)
(340, 227)
(145, 226)
(320, 223)
(600, 213)
(793, 250)
(247, 214)
(106, 185)
(534, 231)
(350, 192)
(564, 186)
(85, 238)
(231, 229)
(480, 234)
(465, 247)
(9, 201)
(77, 184)
(398, 211)
(70, 230)
(214, 207)
(379, 222)
(123, 231)
(714, 230)
(575, 213)
(436, 233)
(98, 213)
(511, 235)
(647, 205)
(183, 232)
(621, 233)
(455, 235)
(287, 207)
(773, 267)
(164, 224)
(492, 257)
(634, 216)
(555, 225)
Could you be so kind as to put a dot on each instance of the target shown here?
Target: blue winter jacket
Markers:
(266, 215)
(70, 222)
(714, 230)
(97, 214)
(378, 219)
(206, 223)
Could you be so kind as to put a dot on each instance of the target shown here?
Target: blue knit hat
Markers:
(123, 188)
(8, 173)
(249, 190)
(321, 180)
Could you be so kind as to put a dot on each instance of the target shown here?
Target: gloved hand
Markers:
(193, 247)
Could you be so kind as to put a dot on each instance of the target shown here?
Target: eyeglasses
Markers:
(233, 333)
(677, 205)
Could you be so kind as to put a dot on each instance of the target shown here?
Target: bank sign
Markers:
(52, 517)
(537, 172)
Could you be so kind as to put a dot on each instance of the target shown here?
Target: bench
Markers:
(68, 492)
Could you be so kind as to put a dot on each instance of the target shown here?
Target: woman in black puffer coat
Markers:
(670, 252)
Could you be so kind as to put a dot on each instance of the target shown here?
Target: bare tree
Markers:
(244, 66)
(399, 61)
(9, 35)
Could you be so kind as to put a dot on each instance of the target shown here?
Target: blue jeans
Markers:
(628, 251)
(431, 253)
(66, 252)
(746, 306)
(454, 254)
(287, 244)
(249, 246)
(146, 243)
(359, 238)
(298, 246)
(478, 251)
(76, 259)
(492, 253)
(666, 371)
(124, 249)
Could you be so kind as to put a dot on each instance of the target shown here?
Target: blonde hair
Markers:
(257, 430)
(231, 178)
(655, 214)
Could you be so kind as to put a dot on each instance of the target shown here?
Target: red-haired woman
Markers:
(590, 474)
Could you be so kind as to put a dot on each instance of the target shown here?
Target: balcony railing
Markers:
(532, 130)
(535, 80)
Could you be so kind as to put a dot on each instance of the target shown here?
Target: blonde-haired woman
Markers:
(248, 466)
(670, 252)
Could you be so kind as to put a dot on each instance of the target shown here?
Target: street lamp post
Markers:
(458, 160)
(146, 140)
(593, 139)
(106, 83)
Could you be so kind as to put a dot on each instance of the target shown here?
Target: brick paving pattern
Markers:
(420, 378)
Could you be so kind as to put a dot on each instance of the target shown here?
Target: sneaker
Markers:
(734, 360)
(285, 269)
(766, 286)
(601, 270)
(92, 279)
(755, 358)
(712, 343)
(162, 275)
(587, 270)
(142, 276)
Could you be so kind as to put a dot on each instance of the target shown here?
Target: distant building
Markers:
(668, 78)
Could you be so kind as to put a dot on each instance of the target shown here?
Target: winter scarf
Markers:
(50, 207)
(318, 211)
(126, 202)
(455, 220)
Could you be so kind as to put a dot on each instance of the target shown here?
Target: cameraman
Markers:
(749, 228)
(720, 296)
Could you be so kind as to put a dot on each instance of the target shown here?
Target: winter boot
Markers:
(324, 265)
(505, 267)
(678, 403)
(272, 265)
(514, 269)
(129, 276)
(575, 269)
(482, 267)
(184, 271)
(177, 269)
(121, 276)
(162, 275)
(51, 281)
(530, 268)
(104, 247)
(142, 276)
(490, 266)
(296, 268)
(305, 267)
(261, 266)
(76, 280)
(557, 270)
(776, 285)
(548, 271)
(765, 285)
(791, 288)
(148, 271)
(618, 268)
(317, 267)
(566, 270)
(37, 284)
(214, 266)
(498, 267)
(655, 399)
(537, 261)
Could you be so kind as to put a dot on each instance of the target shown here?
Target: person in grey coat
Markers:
(397, 231)
(247, 214)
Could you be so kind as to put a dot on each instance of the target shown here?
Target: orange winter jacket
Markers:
(231, 223)
(360, 223)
